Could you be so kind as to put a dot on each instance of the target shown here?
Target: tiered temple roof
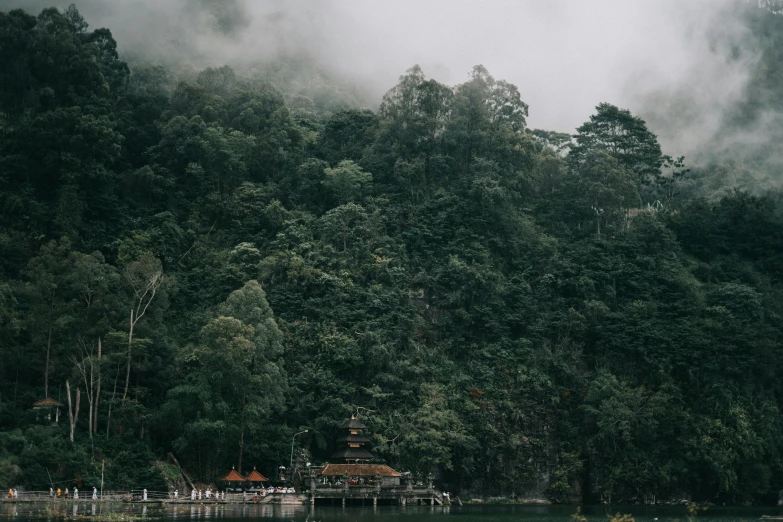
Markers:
(352, 442)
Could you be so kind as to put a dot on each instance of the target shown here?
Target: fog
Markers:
(655, 57)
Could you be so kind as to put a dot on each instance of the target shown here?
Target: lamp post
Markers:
(291, 464)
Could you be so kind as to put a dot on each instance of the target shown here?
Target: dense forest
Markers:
(206, 263)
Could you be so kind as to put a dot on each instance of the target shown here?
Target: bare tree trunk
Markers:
(70, 407)
(130, 341)
(144, 290)
(185, 475)
(242, 435)
(90, 398)
(97, 391)
(73, 416)
(241, 447)
(46, 370)
(87, 368)
(113, 396)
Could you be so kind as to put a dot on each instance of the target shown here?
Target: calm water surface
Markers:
(193, 513)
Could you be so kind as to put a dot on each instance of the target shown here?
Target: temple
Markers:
(355, 475)
(353, 443)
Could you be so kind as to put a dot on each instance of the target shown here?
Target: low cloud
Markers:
(666, 60)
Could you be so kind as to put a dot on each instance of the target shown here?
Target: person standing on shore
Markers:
(94, 493)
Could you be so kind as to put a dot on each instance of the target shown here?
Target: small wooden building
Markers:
(50, 408)
(255, 480)
(232, 480)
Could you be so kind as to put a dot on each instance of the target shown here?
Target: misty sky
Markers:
(566, 56)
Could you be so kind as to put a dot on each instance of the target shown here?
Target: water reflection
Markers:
(65, 511)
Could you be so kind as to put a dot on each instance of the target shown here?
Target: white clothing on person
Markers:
(199, 494)
(75, 493)
(176, 492)
(193, 494)
(94, 493)
(145, 494)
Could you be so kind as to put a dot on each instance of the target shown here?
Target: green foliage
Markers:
(347, 181)
(622, 135)
(500, 304)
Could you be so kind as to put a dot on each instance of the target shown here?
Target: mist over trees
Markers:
(207, 264)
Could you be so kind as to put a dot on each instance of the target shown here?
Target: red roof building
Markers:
(255, 476)
(232, 476)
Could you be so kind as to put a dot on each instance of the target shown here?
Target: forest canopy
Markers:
(217, 265)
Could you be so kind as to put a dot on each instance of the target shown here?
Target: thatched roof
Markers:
(352, 453)
(358, 470)
(353, 438)
(233, 476)
(47, 403)
(255, 476)
(353, 423)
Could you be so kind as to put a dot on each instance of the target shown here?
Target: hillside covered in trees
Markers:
(217, 264)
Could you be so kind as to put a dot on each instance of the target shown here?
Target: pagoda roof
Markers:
(353, 423)
(255, 476)
(353, 453)
(353, 438)
(47, 403)
(358, 470)
(233, 476)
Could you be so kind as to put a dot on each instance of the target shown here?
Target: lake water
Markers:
(478, 513)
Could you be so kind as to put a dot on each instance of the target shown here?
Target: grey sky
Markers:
(566, 56)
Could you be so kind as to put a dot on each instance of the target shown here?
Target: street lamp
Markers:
(291, 464)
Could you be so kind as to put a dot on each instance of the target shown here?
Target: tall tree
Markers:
(234, 378)
(144, 276)
(622, 135)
